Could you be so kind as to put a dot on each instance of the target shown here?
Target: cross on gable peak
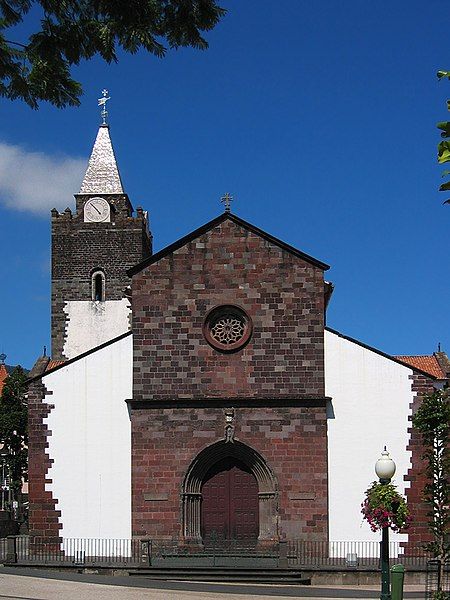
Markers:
(226, 200)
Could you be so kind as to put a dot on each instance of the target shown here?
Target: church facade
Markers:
(198, 393)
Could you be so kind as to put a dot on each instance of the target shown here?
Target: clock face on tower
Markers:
(97, 210)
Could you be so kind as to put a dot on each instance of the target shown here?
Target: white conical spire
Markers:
(102, 175)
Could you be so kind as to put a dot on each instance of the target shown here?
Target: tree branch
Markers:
(16, 44)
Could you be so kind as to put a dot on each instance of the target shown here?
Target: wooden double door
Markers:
(230, 505)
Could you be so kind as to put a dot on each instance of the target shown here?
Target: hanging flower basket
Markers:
(385, 507)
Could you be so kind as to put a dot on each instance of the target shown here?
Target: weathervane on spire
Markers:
(102, 102)
(227, 199)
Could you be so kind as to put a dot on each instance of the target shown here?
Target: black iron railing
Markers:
(438, 580)
(3, 549)
(156, 552)
(72, 551)
(350, 554)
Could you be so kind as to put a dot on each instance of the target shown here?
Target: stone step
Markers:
(227, 574)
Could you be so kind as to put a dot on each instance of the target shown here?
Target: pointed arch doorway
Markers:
(230, 489)
(230, 503)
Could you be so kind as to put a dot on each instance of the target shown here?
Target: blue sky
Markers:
(318, 117)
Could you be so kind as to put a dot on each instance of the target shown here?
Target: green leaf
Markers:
(444, 126)
(443, 152)
(443, 74)
(445, 187)
(444, 157)
(39, 68)
(432, 421)
(14, 427)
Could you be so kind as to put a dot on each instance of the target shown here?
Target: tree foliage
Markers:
(432, 420)
(38, 68)
(444, 145)
(14, 428)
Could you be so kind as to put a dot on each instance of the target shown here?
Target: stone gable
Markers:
(282, 294)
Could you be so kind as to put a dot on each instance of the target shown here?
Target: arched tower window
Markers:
(98, 282)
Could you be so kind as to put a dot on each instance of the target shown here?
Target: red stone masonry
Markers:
(419, 532)
(282, 293)
(182, 385)
(44, 517)
(292, 440)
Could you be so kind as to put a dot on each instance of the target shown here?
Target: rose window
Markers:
(227, 328)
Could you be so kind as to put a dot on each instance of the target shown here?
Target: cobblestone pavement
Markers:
(56, 586)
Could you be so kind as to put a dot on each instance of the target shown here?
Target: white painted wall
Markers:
(90, 442)
(371, 397)
(91, 446)
(90, 324)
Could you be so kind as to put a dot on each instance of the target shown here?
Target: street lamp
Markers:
(385, 469)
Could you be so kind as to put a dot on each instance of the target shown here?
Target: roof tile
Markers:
(3, 375)
(54, 363)
(427, 363)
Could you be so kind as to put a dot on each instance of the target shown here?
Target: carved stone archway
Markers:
(191, 493)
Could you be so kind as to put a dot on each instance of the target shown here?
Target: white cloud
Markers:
(37, 182)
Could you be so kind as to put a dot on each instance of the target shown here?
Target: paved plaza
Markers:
(48, 585)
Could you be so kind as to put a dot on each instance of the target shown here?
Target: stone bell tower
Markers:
(92, 249)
